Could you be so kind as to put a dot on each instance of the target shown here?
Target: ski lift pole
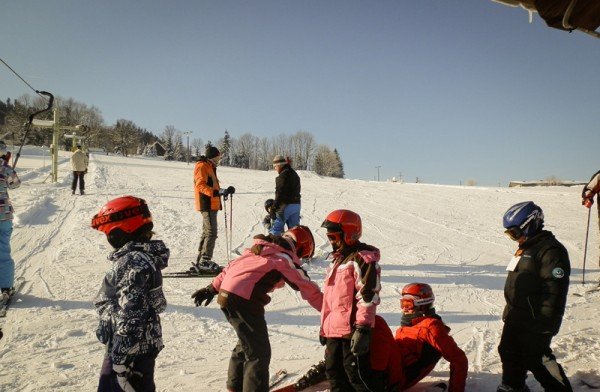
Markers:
(587, 232)
(30, 122)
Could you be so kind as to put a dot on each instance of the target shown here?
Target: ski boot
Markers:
(507, 388)
(313, 376)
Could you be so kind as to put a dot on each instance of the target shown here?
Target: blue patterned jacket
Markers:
(130, 299)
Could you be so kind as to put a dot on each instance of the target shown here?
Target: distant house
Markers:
(544, 183)
(160, 150)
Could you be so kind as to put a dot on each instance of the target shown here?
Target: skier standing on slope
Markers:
(287, 196)
(131, 296)
(350, 298)
(8, 180)
(79, 164)
(536, 295)
(591, 189)
(243, 288)
(207, 198)
(423, 339)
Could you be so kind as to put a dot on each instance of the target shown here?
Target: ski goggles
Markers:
(334, 236)
(408, 302)
(514, 233)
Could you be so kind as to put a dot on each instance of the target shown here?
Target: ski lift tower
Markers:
(56, 129)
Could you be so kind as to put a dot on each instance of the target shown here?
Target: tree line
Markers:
(126, 138)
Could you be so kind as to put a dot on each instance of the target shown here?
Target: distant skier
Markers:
(131, 296)
(286, 204)
(207, 197)
(423, 339)
(536, 295)
(350, 298)
(79, 164)
(591, 189)
(243, 288)
(8, 180)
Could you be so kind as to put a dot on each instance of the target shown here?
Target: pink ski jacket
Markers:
(252, 277)
(350, 292)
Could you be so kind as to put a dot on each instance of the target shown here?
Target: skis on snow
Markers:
(191, 274)
(589, 291)
(5, 304)
(277, 378)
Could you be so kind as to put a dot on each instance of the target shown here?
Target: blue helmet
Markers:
(523, 219)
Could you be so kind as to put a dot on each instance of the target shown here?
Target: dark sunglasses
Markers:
(514, 233)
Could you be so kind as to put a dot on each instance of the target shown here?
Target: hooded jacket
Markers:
(130, 299)
(206, 186)
(350, 291)
(248, 280)
(79, 161)
(287, 187)
(8, 180)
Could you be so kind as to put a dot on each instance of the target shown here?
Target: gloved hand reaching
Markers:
(588, 201)
(322, 340)
(205, 294)
(361, 340)
(128, 380)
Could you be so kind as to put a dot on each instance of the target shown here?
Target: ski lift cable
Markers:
(24, 81)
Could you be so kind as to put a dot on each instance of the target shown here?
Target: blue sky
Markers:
(446, 91)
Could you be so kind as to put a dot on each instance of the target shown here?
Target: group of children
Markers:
(362, 354)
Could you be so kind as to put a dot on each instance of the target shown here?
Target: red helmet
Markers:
(344, 221)
(127, 213)
(303, 239)
(416, 297)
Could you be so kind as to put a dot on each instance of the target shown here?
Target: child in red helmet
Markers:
(423, 339)
(350, 298)
(243, 289)
(131, 296)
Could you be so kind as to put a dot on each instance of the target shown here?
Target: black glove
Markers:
(361, 340)
(230, 190)
(223, 192)
(205, 294)
(322, 340)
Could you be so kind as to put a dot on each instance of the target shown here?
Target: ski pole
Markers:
(230, 222)
(587, 232)
(226, 231)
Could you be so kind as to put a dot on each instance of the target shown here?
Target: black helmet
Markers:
(268, 204)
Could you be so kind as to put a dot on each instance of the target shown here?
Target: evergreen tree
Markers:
(225, 149)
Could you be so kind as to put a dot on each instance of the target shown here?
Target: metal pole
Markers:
(377, 172)
(587, 232)
(187, 133)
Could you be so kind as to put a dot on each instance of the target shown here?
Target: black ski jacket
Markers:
(536, 291)
(287, 187)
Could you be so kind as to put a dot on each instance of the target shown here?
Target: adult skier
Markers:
(350, 298)
(79, 164)
(536, 294)
(287, 196)
(8, 180)
(423, 339)
(207, 198)
(131, 296)
(587, 195)
(243, 288)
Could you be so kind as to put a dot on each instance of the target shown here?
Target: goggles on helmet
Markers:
(514, 233)
(409, 302)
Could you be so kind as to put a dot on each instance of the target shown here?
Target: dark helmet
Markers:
(523, 219)
(346, 222)
(268, 204)
(303, 239)
(123, 219)
(416, 297)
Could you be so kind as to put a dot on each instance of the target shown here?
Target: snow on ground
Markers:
(448, 236)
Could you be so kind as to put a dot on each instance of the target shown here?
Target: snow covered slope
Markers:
(448, 236)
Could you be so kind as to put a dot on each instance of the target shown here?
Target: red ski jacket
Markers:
(415, 342)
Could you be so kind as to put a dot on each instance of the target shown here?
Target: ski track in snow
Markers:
(448, 236)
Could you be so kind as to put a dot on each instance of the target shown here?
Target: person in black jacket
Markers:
(287, 196)
(536, 294)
